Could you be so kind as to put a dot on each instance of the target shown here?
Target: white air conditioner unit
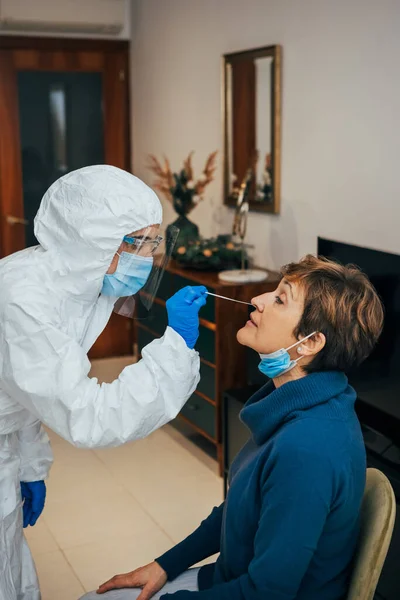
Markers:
(66, 16)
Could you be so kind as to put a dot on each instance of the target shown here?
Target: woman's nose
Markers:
(258, 303)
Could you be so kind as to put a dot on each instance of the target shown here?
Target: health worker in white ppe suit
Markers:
(98, 231)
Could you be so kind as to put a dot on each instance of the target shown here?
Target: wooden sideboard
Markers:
(223, 361)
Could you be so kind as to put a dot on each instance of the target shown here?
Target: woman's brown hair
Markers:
(340, 302)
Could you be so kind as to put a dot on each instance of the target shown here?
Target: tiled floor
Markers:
(110, 511)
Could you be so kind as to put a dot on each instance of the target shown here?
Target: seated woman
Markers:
(288, 527)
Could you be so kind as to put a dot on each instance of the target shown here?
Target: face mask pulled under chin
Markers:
(278, 363)
(130, 276)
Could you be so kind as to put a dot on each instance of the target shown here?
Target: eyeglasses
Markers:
(142, 245)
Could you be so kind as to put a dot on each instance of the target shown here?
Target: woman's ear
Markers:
(114, 263)
(312, 345)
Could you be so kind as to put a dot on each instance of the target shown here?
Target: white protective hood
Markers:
(81, 222)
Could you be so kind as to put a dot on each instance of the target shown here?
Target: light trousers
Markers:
(187, 581)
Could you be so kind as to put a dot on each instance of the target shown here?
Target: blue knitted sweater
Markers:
(288, 527)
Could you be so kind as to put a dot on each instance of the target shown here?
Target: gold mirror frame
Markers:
(229, 60)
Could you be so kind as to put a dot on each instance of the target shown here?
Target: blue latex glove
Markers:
(34, 495)
(183, 312)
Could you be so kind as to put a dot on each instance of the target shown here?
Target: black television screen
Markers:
(377, 380)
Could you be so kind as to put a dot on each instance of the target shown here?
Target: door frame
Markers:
(109, 57)
(116, 60)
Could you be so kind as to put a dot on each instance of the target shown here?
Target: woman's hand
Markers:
(151, 578)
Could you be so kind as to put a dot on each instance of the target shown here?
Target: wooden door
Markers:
(64, 104)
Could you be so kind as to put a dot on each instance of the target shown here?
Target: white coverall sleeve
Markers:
(35, 452)
(47, 372)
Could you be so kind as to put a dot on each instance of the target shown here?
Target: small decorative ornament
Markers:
(244, 274)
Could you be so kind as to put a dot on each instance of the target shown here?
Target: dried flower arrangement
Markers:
(180, 188)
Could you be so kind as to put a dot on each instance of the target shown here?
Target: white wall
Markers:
(124, 34)
(341, 105)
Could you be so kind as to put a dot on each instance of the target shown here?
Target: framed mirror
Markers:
(252, 127)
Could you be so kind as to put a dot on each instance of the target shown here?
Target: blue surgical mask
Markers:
(130, 276)
(278, 363)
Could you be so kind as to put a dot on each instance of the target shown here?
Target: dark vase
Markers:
(188, 231)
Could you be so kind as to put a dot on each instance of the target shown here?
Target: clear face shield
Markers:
(142, 261)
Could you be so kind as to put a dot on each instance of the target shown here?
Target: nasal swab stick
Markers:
(231, 299)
